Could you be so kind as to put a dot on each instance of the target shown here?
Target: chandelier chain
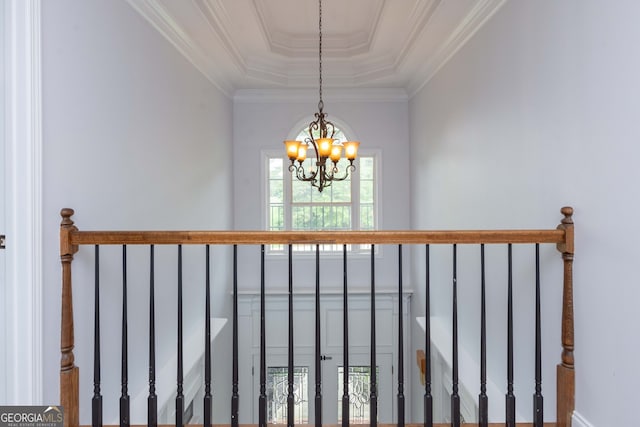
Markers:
(320, 103)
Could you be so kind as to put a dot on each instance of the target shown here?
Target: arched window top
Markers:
(343, 131)
(338, 134)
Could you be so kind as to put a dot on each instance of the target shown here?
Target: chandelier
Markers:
(325, 146)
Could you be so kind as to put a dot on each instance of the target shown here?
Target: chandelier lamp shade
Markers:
(328, 150)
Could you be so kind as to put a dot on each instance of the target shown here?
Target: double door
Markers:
(331, 342)
(332, 383)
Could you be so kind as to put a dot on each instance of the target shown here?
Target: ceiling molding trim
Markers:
(329, 95)
(297, 45)
(474, 20)
(261, 14)
(216, 15)
(162, 21)
(422, 14)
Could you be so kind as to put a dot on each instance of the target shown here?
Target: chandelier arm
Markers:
(334, 170)
(300, 173)
(310, 141)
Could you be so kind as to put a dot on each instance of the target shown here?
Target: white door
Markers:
(331, 345)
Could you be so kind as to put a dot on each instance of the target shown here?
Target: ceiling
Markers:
(244, 45)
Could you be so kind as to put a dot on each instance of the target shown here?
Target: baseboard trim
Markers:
(578, 420)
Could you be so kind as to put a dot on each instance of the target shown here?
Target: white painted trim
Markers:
(23, 137)
(329, 95)
(578, 420)
(475, 20)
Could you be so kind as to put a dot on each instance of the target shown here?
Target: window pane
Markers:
(342, 191)
(301, 218)
(275, 168)
(277, 392)
(276, 191)
(366, 217)
(301, 191)
(366, 191)
(276, 194)
(321, 197)
(276, 217)
(366, 167)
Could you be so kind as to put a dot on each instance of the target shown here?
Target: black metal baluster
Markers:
(318, 400)
(179, 391)
(400, 343)
(455, 398)
(152, 400)
(124, 396)
(428, 398)
(208, 398)
(290, 396)
(235, 398)
(510, 403)
(262, 400)
(483, 400)
(373, 396)
(345, 341)
(538, 402)
(96, 402)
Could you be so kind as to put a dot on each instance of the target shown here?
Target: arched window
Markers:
(345, 205)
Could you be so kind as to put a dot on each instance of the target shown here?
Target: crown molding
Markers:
(302, 45)
(154, 13)
(474, 20)
(228, 68)
(329, 95)
(422, 13)
(216, 15)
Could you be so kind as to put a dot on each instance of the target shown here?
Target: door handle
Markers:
(323, 357)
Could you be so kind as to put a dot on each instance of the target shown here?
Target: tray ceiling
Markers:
(271, 44)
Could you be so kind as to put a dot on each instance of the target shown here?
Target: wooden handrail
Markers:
(557, 236)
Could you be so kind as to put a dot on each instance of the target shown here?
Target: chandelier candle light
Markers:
(325, 146)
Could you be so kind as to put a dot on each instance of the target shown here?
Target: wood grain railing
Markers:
(563, 236)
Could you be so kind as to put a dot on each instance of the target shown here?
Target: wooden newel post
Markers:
(566, 370)
(68, 370)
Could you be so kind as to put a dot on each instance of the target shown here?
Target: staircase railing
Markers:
(71, 239)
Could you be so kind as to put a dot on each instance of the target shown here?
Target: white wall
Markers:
(537, 111)
(134, 138)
